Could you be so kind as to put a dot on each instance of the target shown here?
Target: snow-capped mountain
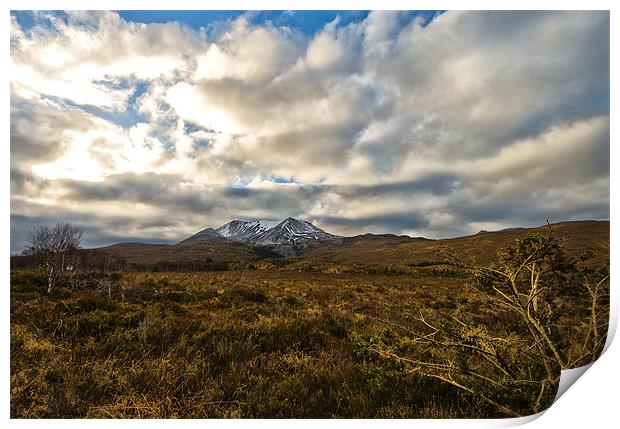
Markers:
(246, 231)
(268, 232)
(289, 236)
(293, 231)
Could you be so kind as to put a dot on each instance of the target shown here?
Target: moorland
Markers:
(372, 326)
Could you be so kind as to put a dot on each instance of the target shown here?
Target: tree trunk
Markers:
(50, 279)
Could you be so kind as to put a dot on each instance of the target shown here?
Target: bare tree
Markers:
(515, 367)
(56, 247)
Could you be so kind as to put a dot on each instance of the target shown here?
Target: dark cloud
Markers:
(171, 192)
(25, 183)
(390, 222)
(512, 213)
(38, 131)
(437, 184)
(149, 188)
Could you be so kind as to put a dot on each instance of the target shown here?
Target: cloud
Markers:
(75, 56)
(436, 127)
(380, 223)
(250, 54)
(553, 158)
(41, 132)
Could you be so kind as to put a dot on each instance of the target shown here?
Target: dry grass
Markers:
(281, 341)
(231, 344)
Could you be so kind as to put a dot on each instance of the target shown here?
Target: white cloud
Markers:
(251, 54)
(190, 104)
(70, 59)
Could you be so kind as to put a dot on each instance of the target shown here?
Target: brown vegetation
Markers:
(282, 337)
(517, 370)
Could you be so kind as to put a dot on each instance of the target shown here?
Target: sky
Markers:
(151, 125)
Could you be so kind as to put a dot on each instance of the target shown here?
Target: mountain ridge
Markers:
(345, 253)
(289, 236)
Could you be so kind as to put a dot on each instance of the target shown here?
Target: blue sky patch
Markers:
(130, 116)
(282, 180)
(308, 22)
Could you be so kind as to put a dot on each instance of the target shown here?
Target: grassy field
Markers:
(289, 339)
(231, 344)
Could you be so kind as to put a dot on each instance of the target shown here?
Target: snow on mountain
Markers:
(288, 237)
(291, 231)
(245, 230)
(268, 232)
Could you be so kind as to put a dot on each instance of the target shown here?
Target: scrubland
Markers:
(282, 340)
(229, 344)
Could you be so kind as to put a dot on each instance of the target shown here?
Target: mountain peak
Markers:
(268, 232)
(245, 230)
(290, 235)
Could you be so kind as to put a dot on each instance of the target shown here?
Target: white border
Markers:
(591, 402)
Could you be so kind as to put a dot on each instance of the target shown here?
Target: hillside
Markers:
(216, 251)
(475, 249)
(286, 250)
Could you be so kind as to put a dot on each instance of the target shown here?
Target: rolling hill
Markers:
(297, 245)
